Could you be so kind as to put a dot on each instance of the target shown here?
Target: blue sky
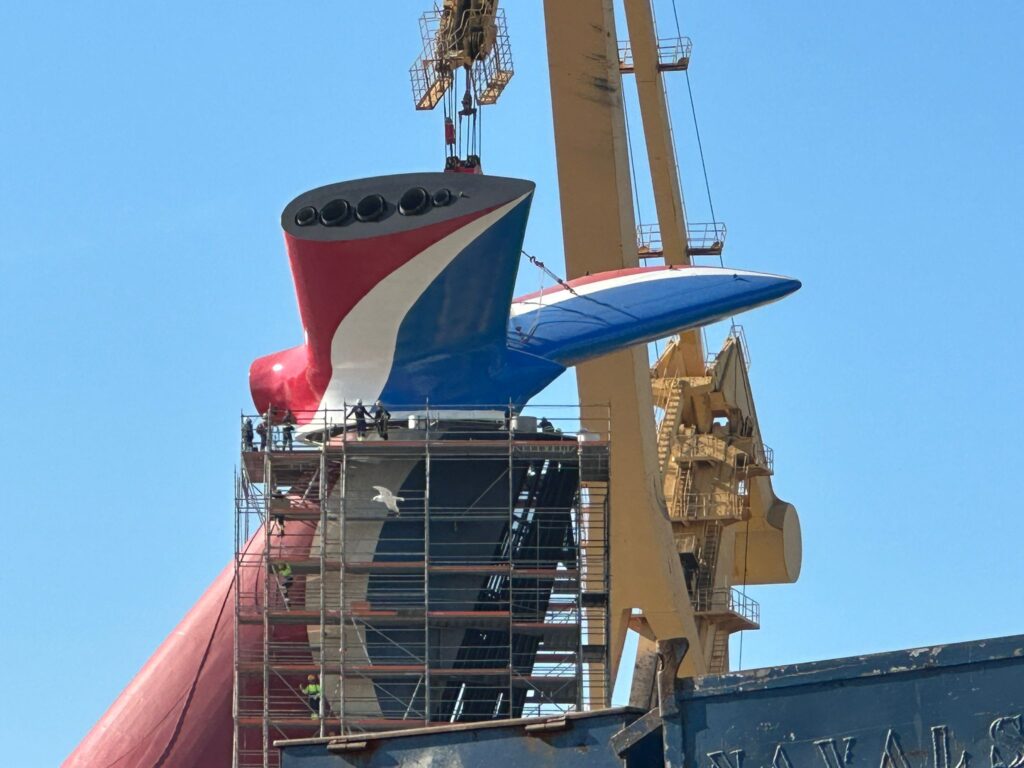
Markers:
(871, 149)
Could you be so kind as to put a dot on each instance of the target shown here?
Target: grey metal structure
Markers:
(452, 572)
(947, 706)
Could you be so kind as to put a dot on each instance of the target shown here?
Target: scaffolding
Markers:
(453, 568)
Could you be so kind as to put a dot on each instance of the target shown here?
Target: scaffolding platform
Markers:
(729, 608)
(702, 239)
(673, 55)
(480, 593)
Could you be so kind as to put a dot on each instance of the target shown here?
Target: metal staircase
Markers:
(669, 425)
(719, 661)
(678, 492)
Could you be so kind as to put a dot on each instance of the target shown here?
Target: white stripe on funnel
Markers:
(363, 346)
(597, 286)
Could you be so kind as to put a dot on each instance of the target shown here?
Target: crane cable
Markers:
(540, 265)
(696, 129)
(721, 261)
(525, 336)
(703, 164)
(632, 162)
(451, 146)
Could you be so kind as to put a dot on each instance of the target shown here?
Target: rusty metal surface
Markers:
(947, 706)
(594, 176)
(584, 741)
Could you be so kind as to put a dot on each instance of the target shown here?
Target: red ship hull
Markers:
(177, 711)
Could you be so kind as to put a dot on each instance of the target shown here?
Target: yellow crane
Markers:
(693, 509)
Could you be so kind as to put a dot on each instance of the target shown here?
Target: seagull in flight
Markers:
(387, 498)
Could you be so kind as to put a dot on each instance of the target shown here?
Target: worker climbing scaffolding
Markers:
(312, 691)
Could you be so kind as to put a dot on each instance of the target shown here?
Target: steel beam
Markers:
(668, 196)
(599, 234)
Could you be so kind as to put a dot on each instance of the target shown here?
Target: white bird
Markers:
(387, 498)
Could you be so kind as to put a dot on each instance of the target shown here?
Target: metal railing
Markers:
(706, 239)
(762, 455)
(739, 451)
(285, 430)
(738, 335)
(431, 75)
(673, 54)
(496, 69)
(698, 507)
(698, 446)
(703, 239)
(727, 600)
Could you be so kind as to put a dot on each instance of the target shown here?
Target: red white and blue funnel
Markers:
(405, 284)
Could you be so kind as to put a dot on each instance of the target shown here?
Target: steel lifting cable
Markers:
(632, 165)
(540, 265)
(479, 131)
(525, 336)
(746, 554)
(448, 102)
(165, 755)
(469, 104)
(675, 14)
(703, 164)
(455, 107)
(696, 130)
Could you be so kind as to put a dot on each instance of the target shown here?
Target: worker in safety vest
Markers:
(247, 434)
(311, 690)
(284, 578)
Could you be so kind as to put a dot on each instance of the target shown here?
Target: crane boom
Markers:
(599, 234)
(668, 196)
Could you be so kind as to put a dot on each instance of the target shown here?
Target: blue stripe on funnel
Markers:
(458, 360)
(588, 326)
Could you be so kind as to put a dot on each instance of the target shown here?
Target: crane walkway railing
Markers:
(719, 600)
(673, 54)
(703, 239)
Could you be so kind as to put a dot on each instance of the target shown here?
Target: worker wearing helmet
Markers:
(263, 431)
(247, 434)
(284, 579)
(287, 430)
(311, 690)
(381, 419)
(360, 412)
